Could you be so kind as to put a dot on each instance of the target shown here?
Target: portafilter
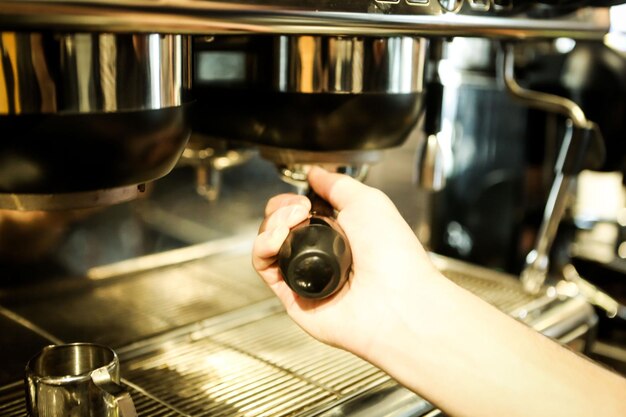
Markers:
(306, 100)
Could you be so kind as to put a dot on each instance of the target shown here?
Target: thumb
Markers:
(338, 189)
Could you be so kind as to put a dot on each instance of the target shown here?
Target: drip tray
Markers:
(199, 334)
(13, 403)
(265, 367)
(118, 310)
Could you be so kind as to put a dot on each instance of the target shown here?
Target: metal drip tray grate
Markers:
(205, 337)
(12, 401)
(276, 340)
(505, 296)
(267, 367)
(498, 289)
(122, 310)
(13, 404)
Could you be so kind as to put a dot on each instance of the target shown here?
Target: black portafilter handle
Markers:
(315, 259)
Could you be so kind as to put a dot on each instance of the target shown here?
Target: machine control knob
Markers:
(315, 259)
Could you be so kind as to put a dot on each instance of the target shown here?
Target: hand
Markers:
(390, 269)
(398, 312)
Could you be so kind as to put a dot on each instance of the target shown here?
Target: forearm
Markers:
(399, 313)
(471, 360)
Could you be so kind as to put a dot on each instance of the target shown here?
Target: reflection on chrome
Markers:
(322, 64)
(84, 73)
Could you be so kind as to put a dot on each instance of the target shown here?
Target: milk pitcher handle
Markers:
(117, 394)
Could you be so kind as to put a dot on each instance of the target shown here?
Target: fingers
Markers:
(266, 247)
(284, 200)
(273, 233)
(288, 216)
(338, 189)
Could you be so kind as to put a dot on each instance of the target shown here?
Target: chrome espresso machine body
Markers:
(98, 99)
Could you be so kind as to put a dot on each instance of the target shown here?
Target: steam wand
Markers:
(583, 141)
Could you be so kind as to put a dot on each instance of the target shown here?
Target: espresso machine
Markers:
(99, 100)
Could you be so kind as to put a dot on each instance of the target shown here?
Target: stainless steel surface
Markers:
(12, 403)
(498, 289)
(291, 157)
(388, 399)
(20, 342)
(76, 380)
(569, 320)
(117, 312)
(291, 373)
(296, 174)
(431, 173)
(310, 93)
(197, 331)
(574, 285)
(536, 271)
(430, 178)
(210, 158)
(537, 99)
(294, 165)
(169, 258)
(572, 322)
(451, 5)
(238, 212)
(265, 367)
(280, 16)
(248, 359)
(63, 201)
(339, 64)
(86, 117)
(44, 72)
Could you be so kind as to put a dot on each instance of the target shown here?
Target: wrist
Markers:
(410, 322)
